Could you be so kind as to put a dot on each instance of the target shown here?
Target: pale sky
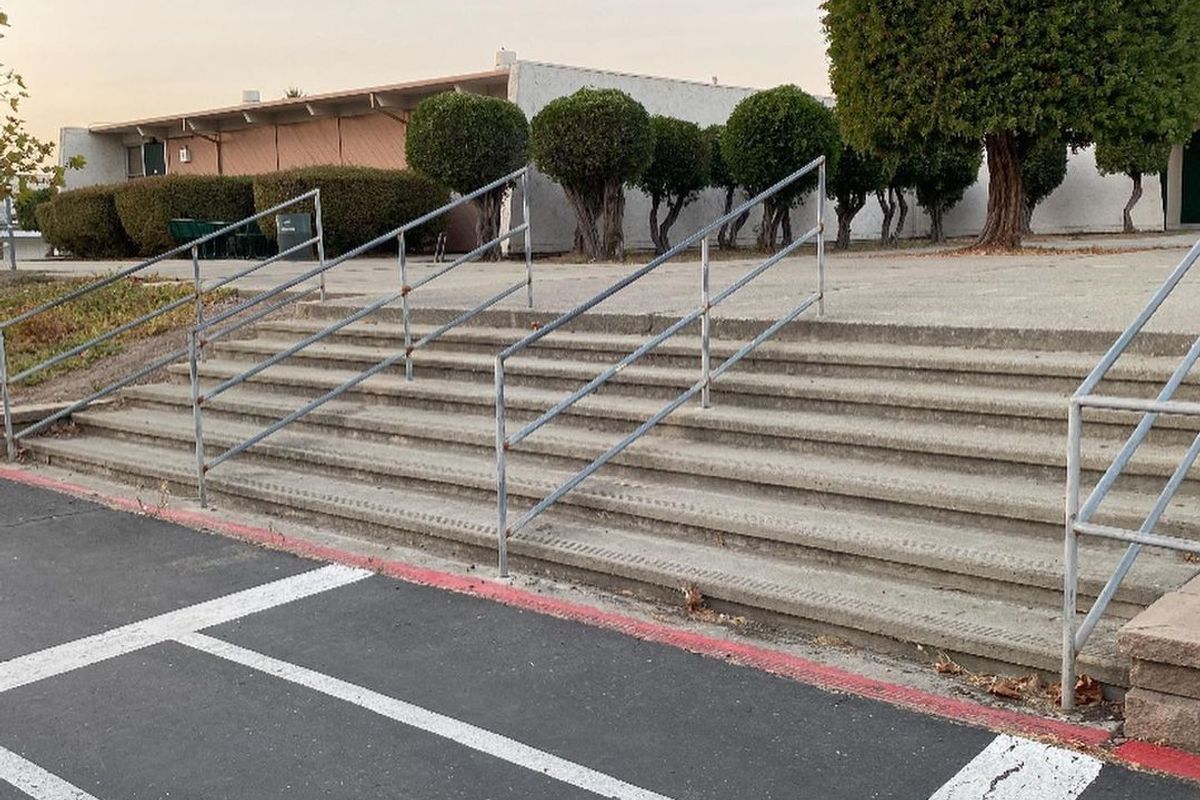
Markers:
(90, 61)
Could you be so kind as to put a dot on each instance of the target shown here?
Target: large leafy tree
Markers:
(856, 177)
(23, 156)
(594, 142)
(1134, 158)
(465, 141)
(1011, 72)
(676, 174)
(770, 135)
(943, 170)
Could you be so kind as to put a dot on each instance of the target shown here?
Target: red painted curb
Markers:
(1160, 758)
(783, 664)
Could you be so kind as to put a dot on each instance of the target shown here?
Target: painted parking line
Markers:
(90, 650)
(455, 730)
(1011, 768)
(36, 782)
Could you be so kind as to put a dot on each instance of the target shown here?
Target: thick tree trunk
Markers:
(722, 234)
(845, 217)
(1006, 194)
(902, 215)
(731, 238)
(655, 201)
(936, 231)
(487, 224)
(613, 243)
(766, 230)
(1133, 201)
(586, 239)
(888, 209)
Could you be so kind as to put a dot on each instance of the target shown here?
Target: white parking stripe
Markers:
(128, 638)
(35, 781)
(463, 733)
(1019, 769)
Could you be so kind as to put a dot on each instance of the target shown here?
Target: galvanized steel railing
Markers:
(270, 300)
(1079, 514)
(708, 374)
(12, 437)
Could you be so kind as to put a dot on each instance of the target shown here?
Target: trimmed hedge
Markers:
(146, 205)
(84, 222)
(357, 203)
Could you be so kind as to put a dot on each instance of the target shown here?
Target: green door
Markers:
(1189, 212)
(154, 157)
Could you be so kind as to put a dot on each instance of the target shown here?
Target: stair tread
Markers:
(953, 620)
(919, 543)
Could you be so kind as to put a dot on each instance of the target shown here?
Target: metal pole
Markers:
(528, 237)
(705, 328)
(12, 232)
(406, 311)
(199, 292)
(1071, 553)
(501, 477)
(9, 442)
(320, 240)
(197, 419)
(821, 240)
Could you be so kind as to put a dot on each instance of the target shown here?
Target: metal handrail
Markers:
(203, 334)
(196, 298)
(505, 442)
(1079, 513)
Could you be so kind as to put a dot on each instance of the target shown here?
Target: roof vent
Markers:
(505, 58)
(251, 96)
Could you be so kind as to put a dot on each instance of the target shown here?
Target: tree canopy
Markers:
(943, 170)
(676, 174)
(856, 177)
(593, 142)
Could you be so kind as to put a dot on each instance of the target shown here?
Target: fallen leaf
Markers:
(692, 598)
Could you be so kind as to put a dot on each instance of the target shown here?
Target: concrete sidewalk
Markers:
(1069, 288)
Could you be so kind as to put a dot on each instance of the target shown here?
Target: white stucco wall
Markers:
(532, 85)
(104, 154)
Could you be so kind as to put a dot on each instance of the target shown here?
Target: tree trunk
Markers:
(655, 201)
(613, 243)
(674, 208)
(888, 208)
(786, 226)
(902, 204)
(722, 234)
(1133, 201)
(1004, 225)
(736, 228)
(845, 217)
(936, 214)
(765, 230)
(586, 239)
(487, 223)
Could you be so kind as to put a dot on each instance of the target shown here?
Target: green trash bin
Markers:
(293, 230)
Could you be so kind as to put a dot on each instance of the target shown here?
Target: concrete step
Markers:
(873, 609)
(941, 554)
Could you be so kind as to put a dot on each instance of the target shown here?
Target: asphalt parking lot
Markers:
(143, 660)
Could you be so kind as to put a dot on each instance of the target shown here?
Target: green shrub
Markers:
(146, 205)
(676, 174)
(25, 206)
(357, 203)
(84, 223)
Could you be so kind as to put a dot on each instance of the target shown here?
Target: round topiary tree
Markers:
(720, 178)
(676, 174)
(942, 172)
(770, 135)
(1043, 169)
(857, 175)
(1132, 157)
(593, 142)
(465, 141)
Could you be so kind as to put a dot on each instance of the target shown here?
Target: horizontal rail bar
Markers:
(296, 348)
(466, 316)
(107, 390)
(1138, 537)
(124, 273)
(641, 272)
(257, 315)
(266, 295)
(1123, 341)
(453, 204)
(753, 344)
(308, 408)
(463, 259)
(1179, 407)
(775, 258)
(102, 338)
(265, 263)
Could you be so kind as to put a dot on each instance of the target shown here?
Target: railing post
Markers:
(199, 293)
(1071, 552)
(406, 309)
(10, 444)
(705, 327)
(821, 240)
(320, 240)
(501, 476)
(197, 418)
(528, 236)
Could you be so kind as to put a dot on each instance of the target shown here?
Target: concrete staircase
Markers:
(889, 485)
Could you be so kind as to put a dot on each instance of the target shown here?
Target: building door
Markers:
(154, 156)
(1189, 211)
